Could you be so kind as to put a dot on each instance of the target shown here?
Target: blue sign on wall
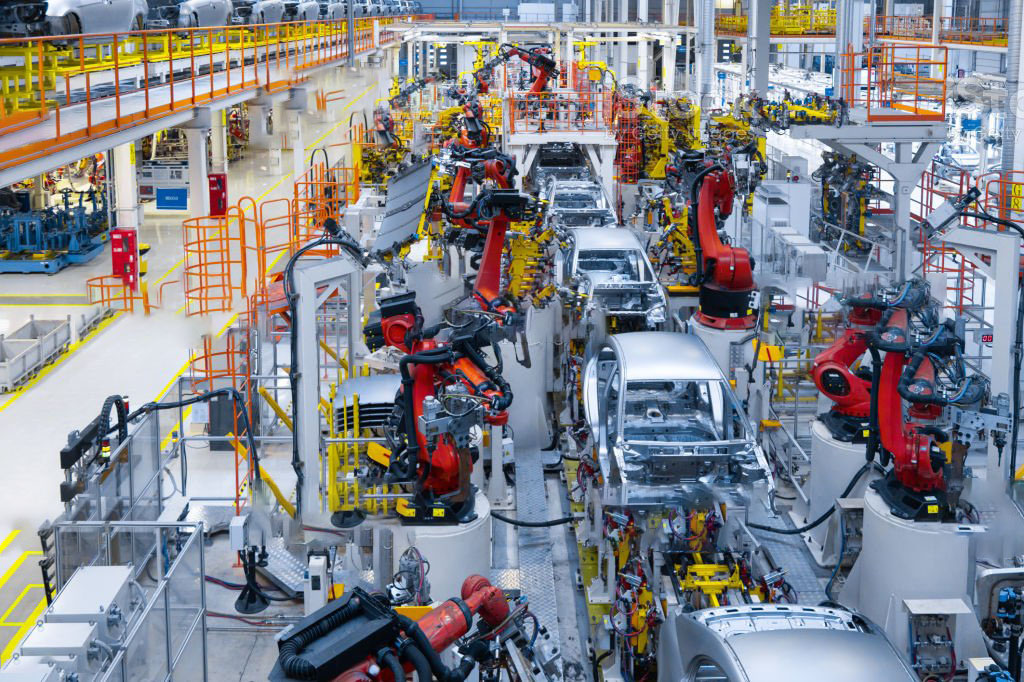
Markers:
(172, 198)
(829, 92)
(969, 124)
(721, 75)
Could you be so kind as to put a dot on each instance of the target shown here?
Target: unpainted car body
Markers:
(667, 425)
(772, 642)
(25, 18)
(258, 11)
(301, 10)
(610, 267)
(73, 17)
(188, 13)
(577, 203)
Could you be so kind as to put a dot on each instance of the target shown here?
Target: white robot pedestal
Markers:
(454, 552)
(833, 464)
(905, 560)
(726, 345)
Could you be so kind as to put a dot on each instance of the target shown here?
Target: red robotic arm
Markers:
(541, 64)
(728, 279)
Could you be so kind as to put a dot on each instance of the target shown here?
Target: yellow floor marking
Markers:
(74, 295)
(14, 567)
(8, 540)
(14, 604)
(22, 631)
(21, 390)
(45, 305)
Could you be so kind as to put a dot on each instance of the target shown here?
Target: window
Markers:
(628, 263)
(706, 670)
(680, 411)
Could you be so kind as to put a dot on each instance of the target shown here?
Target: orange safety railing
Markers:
(214, 272)
(109, 291)
(222, 364)
(1002, 196)
(975, 30)
(71, 89)
(902, 27)
(564, 111)
(896, 83)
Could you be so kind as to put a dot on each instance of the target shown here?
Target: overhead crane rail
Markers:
(56, 92)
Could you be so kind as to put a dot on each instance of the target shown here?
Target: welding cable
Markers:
(441, 672)
(243, 413)
(597, 663)
(816, 522)
(532, 524)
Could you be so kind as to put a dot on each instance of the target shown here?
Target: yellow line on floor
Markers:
(71, 295)
(283, 177)
(17, 563)
(21, 390)
(17, 600)
(22, 631)
(8, 540)
(45, 305)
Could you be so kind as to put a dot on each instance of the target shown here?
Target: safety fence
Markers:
(78, 88)
(560, 111)
(902, 27)
(993, 31)
(792, 21)
(896, 83)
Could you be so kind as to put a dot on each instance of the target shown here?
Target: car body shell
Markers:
(189, 14)
(96, 16)
(771, 642)
(304, 10)
(258, 11)
(652, 473)
(615, 294)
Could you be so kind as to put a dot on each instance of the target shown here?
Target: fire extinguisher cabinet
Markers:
(218, 194)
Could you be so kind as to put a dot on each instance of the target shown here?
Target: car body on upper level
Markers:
(188, 13)
(773, 642)
(74, 17)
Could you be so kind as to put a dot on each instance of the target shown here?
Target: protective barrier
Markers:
(109, 291)
(896, 83)
(992, 31)
(563, 111)
(78, 88)
(215, 262)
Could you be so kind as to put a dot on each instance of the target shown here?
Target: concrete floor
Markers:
(134, 355)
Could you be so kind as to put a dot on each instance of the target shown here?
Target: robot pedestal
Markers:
(726, 345)
(454, 552)
(905, 560)
(833, 464)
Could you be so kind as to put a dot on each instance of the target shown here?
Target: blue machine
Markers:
(50, 240)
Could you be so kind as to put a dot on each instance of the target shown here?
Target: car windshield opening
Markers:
(626, 262)
(681, 411)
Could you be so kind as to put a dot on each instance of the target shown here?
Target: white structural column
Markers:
(126, 187)
(668, 63)
(849, 38)
(296, 105)
(259, 136)
(759, 29)
(219, 142)
(198, 171)
(642, 13)
(1013, 150)
(643, 60)
(623, 69)
(706, 50)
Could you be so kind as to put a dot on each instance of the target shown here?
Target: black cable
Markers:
(243, 412)
(349, 246)
(816, 522)
(533, 524)
(597, 664)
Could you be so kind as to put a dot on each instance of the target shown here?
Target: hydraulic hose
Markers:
(413, 655)
(290, 651)
(442, 672)
(876, 377)
(532, 524)
(390, 660)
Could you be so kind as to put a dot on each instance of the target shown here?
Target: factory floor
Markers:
(129, 354)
